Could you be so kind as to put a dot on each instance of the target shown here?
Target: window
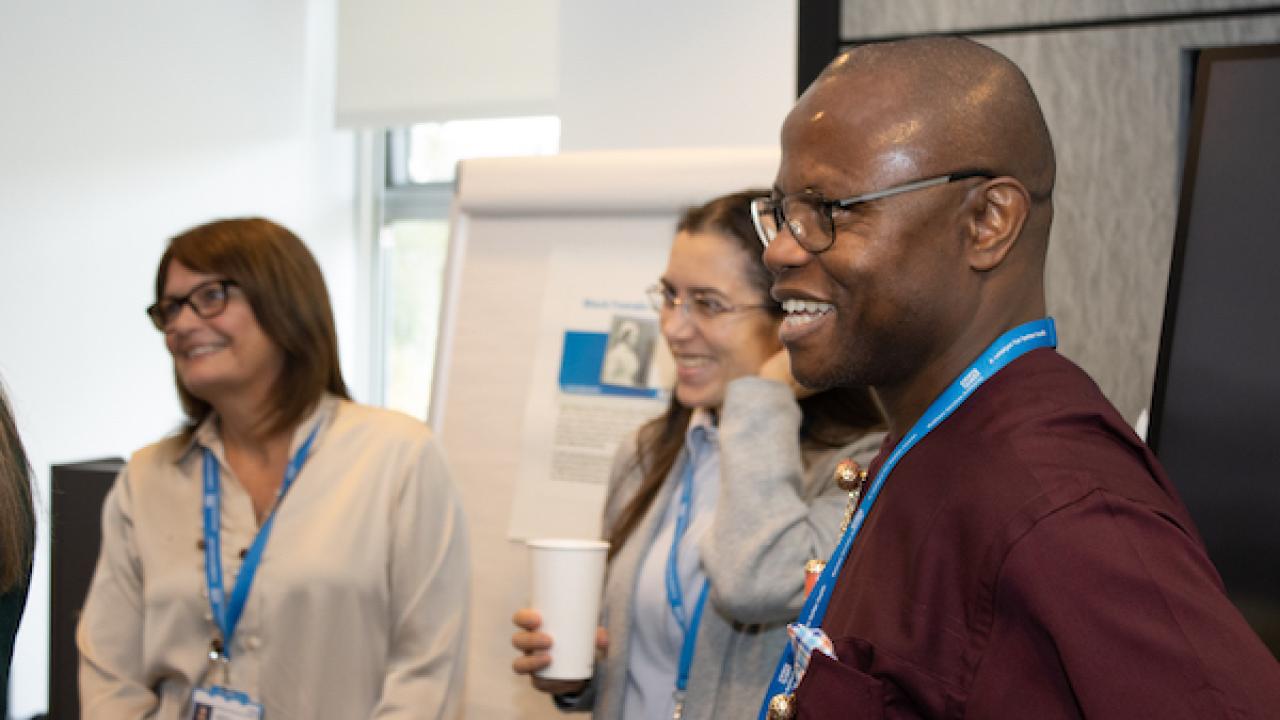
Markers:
(431, 151)
(412, 256)
(408, 265)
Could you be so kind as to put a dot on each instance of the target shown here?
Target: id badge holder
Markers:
(219, 703)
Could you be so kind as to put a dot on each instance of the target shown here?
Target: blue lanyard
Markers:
(675, 595)
(1007, 348)
(227, 616)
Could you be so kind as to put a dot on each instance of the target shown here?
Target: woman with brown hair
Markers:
(17, 540)
(715, 507)
(356, 606)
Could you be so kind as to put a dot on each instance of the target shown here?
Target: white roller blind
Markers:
(407, 61)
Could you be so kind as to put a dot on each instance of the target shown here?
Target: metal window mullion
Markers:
(417, 202)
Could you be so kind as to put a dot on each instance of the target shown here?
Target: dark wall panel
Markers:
(1215, 423)
(78, 490)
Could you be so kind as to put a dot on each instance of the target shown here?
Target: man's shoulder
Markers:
(1042, 386)
(1038, 436)
(1043, 412)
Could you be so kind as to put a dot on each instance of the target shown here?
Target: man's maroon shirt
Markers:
(1030, 559)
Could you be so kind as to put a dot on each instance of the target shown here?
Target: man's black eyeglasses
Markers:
(808, 215)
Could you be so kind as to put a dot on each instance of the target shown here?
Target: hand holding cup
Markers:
(567, 579)
(535, 646)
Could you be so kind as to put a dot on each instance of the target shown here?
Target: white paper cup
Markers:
(567, 581)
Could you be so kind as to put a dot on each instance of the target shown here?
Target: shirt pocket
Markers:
(831, 689)
(867, 684)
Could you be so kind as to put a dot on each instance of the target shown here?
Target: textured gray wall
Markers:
(860, 18)
(1115, 102)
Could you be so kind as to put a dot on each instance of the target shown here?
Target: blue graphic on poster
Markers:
(584, 367)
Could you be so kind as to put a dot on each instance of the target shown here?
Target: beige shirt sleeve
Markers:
(110, 631)
(429, 596)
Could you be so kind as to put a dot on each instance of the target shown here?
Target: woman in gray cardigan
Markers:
(715, 507)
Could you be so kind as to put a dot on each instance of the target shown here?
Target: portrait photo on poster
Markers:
(629, 352)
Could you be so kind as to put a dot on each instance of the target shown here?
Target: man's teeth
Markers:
(803, 312)
(691, 361)
(806, 306)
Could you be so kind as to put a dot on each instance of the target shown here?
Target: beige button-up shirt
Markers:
(359, 605)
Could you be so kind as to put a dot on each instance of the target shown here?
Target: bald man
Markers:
(1016, 551)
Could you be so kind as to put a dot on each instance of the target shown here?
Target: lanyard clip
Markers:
(678, 713)
(219, 662)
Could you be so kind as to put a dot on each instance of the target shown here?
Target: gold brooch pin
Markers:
(781, 707)
(851, 478)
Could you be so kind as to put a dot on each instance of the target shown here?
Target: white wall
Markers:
(123, 123)
(675, 73)
(500, 55)
(655, 74)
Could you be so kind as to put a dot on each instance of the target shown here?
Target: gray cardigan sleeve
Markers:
(772, 515)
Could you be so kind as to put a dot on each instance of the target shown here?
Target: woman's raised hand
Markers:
(778, 367)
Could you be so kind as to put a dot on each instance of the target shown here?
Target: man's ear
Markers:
(998, 211)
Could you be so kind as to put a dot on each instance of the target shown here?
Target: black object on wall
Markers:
(1215, 421)
(76, 528)
(817, 39)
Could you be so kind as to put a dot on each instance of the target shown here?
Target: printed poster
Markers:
(601, 370)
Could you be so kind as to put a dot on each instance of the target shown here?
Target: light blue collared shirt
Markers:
(656, 637)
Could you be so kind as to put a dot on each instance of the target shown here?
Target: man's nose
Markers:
(784, 251)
